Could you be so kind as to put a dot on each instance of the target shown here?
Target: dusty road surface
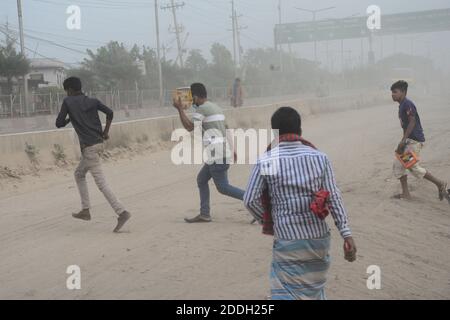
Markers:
(158, 256)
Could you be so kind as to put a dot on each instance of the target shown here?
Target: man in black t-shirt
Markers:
(82, 112)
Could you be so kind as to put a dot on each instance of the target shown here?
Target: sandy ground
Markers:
(161, 257)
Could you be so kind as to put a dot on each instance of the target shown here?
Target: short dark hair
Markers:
(199, 90)
(287, 120)
(73, 83)
(400, 85)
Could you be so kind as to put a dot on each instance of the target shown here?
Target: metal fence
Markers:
(13, 106)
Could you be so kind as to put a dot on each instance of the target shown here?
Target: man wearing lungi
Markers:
(291, 174)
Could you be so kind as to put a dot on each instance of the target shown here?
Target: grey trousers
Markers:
(90, 161)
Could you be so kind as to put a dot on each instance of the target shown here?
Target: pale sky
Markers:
(206, 22)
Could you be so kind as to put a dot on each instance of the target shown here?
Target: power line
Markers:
(34, 51)
(58, 35)
(207, 16)
(102, 5)
(53, 43)
(256, 41)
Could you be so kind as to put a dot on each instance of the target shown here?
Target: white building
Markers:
(47, 72)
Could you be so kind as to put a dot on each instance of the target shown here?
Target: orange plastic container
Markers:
(407, 159)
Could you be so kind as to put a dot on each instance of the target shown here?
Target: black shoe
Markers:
(198, 218)
(121, 220)
(82, 215)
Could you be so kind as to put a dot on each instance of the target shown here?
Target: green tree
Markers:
(222, 63)
(151, 79)
(114, 66)
(196, 62)
(88, 78)
(12, 64)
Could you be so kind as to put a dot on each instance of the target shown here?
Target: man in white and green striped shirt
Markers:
(210, 116)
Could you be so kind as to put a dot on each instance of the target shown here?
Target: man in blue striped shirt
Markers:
(297, 173)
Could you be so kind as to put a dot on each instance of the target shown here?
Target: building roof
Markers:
(47, 63)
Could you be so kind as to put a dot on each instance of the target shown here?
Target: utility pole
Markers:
(22, 50)
(238, 37)
(314, 13)
(290, 55)
(158, 49)
(315, 36)
(412, 39)
(342, 46)
(178, 29)
(237, 52)
(381, 47)
(371, 54)
(362, 52)
(280, 48)
(279, 11)
(233, 22)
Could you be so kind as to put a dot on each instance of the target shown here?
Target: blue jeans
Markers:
(219, 174)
